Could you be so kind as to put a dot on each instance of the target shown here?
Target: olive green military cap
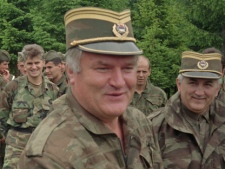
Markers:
(101, 31)
(50, 55)
(62, 56)
(197, 65)
(20, 57)
(4, 55)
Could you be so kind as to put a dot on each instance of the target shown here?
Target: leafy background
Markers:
(163, 29)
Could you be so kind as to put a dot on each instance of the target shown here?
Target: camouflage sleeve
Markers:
(164, 99)
(39, 162)
(55, 92)
(156, 154)
(6, 104)
(2, 84)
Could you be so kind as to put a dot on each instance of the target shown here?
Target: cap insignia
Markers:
(202, 64)
(120, 30)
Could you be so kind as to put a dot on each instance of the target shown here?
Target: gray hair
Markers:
(73, 56)
(180, 77)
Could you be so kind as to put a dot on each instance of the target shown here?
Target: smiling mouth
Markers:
(200, 99)
(115, 94)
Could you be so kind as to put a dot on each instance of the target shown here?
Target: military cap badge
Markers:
(202, 64)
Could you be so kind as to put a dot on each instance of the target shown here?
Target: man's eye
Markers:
(208, 84)
(102, 68)
(192, 82)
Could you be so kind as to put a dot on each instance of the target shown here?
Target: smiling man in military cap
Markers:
(190, 129)
(92, 126)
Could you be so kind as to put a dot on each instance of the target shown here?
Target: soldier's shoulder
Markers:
(13, 84)
(133, 111)
(158, 90)
(50, 85)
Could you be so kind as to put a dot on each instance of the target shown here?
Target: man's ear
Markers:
(70, 74)
(150, 71)
(44, 62)
(178, 84)
(60, 65)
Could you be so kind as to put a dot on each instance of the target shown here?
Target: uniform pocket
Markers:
(20, 115)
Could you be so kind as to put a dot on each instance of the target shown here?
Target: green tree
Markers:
(157, 29)
(42, 22)
(207, 24)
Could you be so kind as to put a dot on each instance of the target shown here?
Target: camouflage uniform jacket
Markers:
(2, 83)
(180, 147)
(221, 95)
(21, 107)
(70, 138)
(150, 99)
(62, 85)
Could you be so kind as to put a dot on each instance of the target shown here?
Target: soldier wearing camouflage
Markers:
(24, 102)
(147, 97)
(53, 70)
(91, 126)
(190, 129)
(4, 73)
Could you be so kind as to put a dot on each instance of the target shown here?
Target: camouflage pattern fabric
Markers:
(62, 85)
(70, 137)
(180, 146)
(2, 83)
(2, 144)
(221, 95)
(21, 107)
(150, 99)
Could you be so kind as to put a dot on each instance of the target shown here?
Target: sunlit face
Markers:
(143, 71)
(105, 84)
(53, 72)
(4, 66)
(198, 94)
(34, 67)
(21, 68)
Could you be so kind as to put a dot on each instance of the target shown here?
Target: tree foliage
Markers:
(163, 28)
(157, 27)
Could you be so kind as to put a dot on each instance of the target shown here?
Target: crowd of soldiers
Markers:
(27, 99)
(95, 107)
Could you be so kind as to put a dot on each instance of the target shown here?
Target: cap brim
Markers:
(112, 48)
(203, 75)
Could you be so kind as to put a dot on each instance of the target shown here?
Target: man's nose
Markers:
(117, 78)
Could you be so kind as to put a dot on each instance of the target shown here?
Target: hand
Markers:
(6, 75)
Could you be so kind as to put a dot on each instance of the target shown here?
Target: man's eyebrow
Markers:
(207, 81)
